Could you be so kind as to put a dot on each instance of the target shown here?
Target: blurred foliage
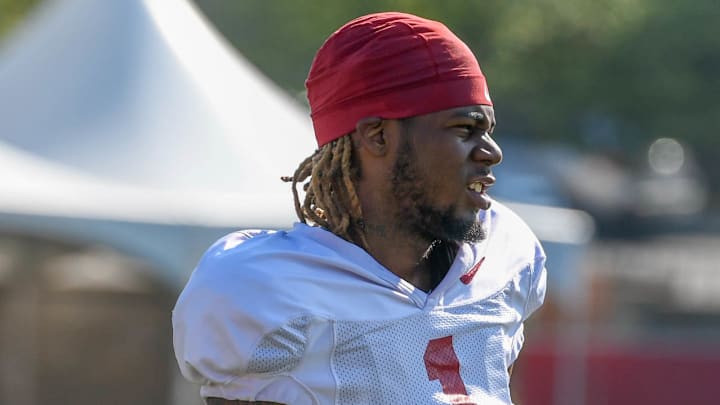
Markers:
(608, 74)
(12, 12)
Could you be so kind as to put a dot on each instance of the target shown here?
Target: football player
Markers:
(403, 281)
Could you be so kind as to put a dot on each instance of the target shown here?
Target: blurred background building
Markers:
(133, 133)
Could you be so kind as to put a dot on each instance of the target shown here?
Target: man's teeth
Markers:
(476, 187)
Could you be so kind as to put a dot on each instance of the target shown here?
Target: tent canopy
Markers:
(132, 123)
(145, 92)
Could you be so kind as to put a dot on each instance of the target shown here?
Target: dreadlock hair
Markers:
(331, 200)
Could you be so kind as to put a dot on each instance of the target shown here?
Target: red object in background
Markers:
(668, 373)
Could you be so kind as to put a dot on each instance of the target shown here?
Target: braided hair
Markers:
(331, 200)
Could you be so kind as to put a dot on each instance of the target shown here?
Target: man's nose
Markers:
(487, 151)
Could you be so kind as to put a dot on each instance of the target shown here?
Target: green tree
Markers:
(12, 12)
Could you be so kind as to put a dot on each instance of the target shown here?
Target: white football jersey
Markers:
(305, 317)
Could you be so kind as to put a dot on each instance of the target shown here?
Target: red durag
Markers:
(390, 65)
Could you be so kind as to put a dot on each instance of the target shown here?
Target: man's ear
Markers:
(369, 135)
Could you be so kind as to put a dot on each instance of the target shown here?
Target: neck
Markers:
(420, 262)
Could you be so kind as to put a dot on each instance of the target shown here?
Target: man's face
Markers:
(442, 172)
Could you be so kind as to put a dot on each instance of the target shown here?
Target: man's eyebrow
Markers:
(481, 119)
(475, 115)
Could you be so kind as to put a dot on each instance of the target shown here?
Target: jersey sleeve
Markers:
(538, 284)
(535, 296)
(225, 339)
(213, 334)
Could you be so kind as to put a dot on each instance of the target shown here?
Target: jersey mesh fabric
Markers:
(383, 362)
(281, 350)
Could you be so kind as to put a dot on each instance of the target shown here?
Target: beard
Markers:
(417, 213)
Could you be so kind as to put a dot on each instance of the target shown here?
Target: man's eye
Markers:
(466, 128)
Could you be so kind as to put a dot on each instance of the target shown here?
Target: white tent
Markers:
(120, 117)
(144, 92)
(169, 228)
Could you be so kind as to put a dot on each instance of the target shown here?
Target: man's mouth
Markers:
(476, 186)
(478, 191)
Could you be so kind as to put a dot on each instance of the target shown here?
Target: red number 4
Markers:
(442, 364)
